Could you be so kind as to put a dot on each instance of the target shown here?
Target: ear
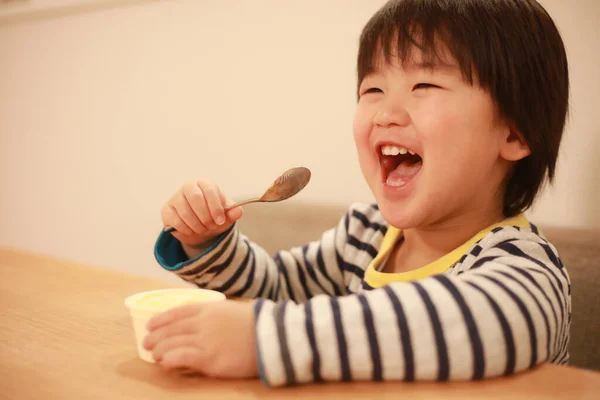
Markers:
(514, 147)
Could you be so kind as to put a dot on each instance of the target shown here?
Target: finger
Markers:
(171, 218)
(173, 315)
(188, 214)
(235, 213)
(182, 327)
(183, 357)
(197, 202)
(232, 214)
(173, 343)
(213, 196)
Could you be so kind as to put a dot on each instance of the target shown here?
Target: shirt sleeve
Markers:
(509, 312)
(239, 267)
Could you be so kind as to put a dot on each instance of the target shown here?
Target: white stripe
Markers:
(421, 333)
(359, 354)
(325, 338)
(329, 258)
(388, 335)
(268, 345)
(491, 335)
(297, 341)
(536, 316)
(454, 330)
(511, 312)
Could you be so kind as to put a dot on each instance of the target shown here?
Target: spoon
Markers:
(285, 186)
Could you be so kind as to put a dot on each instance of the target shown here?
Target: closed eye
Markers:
(424, 86)
(372, 90)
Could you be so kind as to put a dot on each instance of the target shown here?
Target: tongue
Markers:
(405, 169)
(403, 173)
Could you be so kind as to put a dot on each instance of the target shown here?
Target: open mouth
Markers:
(399, 165)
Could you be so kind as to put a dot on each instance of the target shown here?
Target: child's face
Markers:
(454, 130)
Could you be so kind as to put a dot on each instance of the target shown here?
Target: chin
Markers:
(399, 216)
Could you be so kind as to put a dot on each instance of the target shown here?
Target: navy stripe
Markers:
(238, 272)
(218, 268)
(366, 286)
(526, 315)
(559, 299)
(277, 290)
(539, 306)
(478, 263)
(279, 316)
(405, 339)
(476, 250)
(310, 269)
(347, 223)
(530, 278)
(323, 269)
(263, 285)
(302, 279)
(258, 305)
(553, 258)
(534, 229)
(340, 261)
(367, 224)
(250, 279)
(372, 337)
(509, 340)
(354, 242)
(283, 273)
(212, 259)
(474, 337)
(358, 271)
(312, 341)
(341, 339)
(514, 250)
(507, 241)
(440, 342)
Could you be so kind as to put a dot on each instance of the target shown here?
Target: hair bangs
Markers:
(400, 28)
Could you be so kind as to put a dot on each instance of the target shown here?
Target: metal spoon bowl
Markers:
(285, 186)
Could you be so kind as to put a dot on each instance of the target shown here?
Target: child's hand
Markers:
(196, 212)
(215, 339)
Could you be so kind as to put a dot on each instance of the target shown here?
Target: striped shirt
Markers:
(501, 304)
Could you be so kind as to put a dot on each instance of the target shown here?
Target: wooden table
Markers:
(65, 334)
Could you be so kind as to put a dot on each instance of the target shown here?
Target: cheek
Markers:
(361, 128)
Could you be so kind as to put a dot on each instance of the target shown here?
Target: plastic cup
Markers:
(143, 306)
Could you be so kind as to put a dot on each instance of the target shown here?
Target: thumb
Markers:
(235, 213)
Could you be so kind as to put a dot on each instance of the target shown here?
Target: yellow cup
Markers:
(143, 306)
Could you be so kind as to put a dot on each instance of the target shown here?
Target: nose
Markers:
(391, 113)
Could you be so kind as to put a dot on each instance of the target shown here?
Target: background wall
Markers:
(106, 110)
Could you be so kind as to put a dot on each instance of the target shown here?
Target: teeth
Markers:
(393, 183)
(390, 150)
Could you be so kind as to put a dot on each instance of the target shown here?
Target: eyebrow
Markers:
(432, 66)
(412, 66)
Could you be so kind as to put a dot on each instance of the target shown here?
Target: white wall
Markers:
(104, 113)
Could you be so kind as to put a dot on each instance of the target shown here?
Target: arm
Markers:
(508, 313)
(238, 267)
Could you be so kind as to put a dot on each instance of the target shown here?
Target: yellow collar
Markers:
(377, 279)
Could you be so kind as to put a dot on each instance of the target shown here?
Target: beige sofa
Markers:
(283, 225)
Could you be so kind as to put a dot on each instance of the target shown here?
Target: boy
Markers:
(461, 108)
